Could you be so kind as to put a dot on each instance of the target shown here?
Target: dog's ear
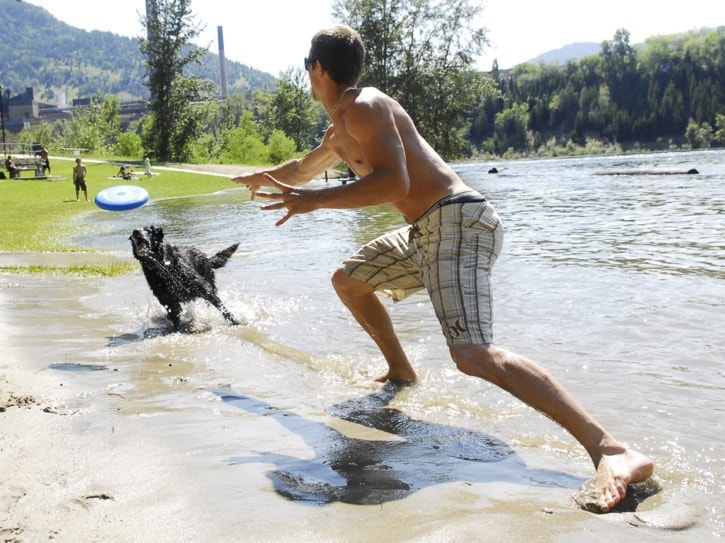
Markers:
(157, 234)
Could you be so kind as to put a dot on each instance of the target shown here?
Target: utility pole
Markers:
(2, 115)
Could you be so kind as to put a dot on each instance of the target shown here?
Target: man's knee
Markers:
(476, 360)
(346, 286)
(339, 280)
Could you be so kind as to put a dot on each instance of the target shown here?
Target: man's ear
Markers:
(323, 72)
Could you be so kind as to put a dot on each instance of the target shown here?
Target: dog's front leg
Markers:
(216, 302)
(229, 317)
(174, 312)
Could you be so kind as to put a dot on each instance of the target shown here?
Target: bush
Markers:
(699, 136)
(280, 148)
(128, 144)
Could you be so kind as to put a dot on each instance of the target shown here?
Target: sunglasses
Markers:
(309, 63)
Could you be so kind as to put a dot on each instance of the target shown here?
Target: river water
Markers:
(615, 283)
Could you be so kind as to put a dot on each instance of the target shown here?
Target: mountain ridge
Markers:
(570, 52)
(55, 58)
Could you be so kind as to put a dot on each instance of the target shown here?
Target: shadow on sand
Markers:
(418, 454)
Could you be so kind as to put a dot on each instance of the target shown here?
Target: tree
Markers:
(292, 110)
(422, 53)
(511, 132)
(244, 144)
(628, 94)
(43, 132)
(699, 136)
(280, 147)
(175, 119)
(94, 127)
(720, 128)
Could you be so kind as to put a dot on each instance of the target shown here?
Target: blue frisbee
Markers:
(121, 198)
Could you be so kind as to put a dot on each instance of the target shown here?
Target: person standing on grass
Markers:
(453, 240)
(79, 179)
(147, 164)
(44, 160)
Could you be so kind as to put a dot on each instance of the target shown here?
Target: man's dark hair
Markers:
(341, 52)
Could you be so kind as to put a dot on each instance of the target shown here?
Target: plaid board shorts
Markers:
(450, 251)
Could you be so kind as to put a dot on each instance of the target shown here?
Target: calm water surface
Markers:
(616, 283)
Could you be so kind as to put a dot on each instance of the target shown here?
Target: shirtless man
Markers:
(44, 160)
(79, 179)
(375, 136)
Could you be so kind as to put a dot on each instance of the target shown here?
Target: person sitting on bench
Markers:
(12, 169)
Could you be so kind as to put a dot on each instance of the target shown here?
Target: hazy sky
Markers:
(272, 35)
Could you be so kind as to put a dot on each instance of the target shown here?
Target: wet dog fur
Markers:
(178, 275)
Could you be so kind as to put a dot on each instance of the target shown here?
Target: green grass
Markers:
(112, 269)
(42, 215)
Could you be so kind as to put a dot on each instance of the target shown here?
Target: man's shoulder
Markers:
(372, 94)
(375, 98)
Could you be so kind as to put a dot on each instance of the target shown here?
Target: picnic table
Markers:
(29, 163)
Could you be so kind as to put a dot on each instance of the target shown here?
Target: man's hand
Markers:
(295, 200)
(253, 181)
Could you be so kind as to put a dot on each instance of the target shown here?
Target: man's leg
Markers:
(372, 315)
(616, 465)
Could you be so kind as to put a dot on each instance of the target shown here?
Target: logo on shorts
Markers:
(456, 329)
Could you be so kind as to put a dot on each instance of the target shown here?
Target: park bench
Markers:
(32, 164)
(26, 157)
(75, 150)
(29, 164)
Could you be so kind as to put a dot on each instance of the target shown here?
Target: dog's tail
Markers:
(219, 259)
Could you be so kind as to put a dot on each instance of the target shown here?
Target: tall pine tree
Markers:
(174, 119)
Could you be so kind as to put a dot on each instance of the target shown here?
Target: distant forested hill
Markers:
(37, 50)
(573, 51)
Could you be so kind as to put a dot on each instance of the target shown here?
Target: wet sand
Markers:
(110, 456)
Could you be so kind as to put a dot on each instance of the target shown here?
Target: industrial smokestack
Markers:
(222, 62)
(150, 21)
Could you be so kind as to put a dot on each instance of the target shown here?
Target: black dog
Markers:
(178, 275)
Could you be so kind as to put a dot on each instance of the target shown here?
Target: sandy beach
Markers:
(72, 469)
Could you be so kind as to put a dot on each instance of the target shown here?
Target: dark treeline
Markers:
(668, 92)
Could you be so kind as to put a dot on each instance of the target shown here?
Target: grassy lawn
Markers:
(42, 215)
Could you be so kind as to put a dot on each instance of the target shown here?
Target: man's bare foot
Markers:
(615, 472)
(399, 378)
